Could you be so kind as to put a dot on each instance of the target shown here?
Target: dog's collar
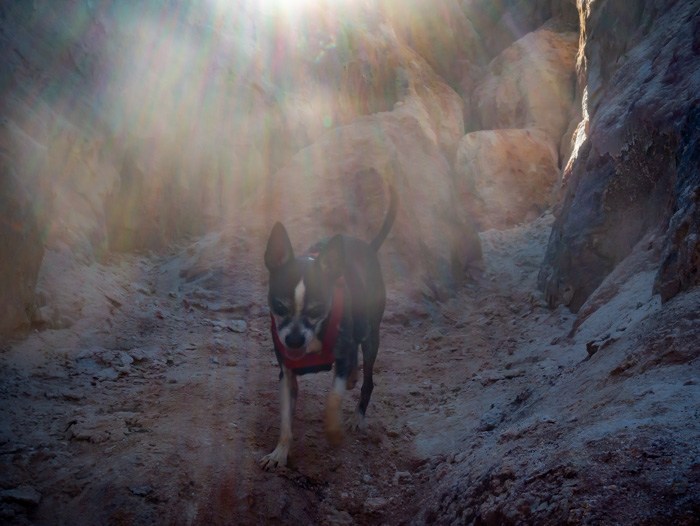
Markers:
(325, 358)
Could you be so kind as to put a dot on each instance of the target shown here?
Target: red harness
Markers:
(300, 359)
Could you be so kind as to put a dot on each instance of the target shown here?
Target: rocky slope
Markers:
(539, 356)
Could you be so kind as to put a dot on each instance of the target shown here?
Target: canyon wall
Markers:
(590, 108)
(635, 168)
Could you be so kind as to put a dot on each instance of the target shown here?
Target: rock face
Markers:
(21, 251)
(504, 177)
(637, 167)
(438, 31)
(502, 22)
(680, 267)
(530, 84)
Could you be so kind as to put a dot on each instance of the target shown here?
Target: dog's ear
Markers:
(279, 248)
(331, 260)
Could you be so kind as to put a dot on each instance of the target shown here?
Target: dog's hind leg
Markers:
(288, 396)
(370, 347)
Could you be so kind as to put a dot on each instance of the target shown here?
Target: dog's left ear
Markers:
(332, 257)
(279, 248)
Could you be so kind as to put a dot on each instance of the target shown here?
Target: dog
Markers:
(323, 307)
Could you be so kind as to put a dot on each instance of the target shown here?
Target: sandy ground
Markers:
(155, 402)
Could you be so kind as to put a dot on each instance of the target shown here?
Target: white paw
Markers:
(357, 422)
(276, 459)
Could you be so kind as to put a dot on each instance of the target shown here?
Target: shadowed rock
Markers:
(637, 167)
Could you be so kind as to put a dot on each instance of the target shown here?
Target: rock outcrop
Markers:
(440, 32)
(637, 167)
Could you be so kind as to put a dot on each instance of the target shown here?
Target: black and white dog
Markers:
(323, 306)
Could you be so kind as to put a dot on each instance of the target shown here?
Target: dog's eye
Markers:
(315, 311)
(279, 308)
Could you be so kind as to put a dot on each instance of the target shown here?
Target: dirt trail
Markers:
(159, 413)
(157, 403)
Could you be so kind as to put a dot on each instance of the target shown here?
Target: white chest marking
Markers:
(299, 293)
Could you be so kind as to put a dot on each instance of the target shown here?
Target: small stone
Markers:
(141, 491)
(679, 487)
(44, 315)
(238, 326)
(7, 513)
(338, 518)
(126, 358)
(85, 353)
(592, 348)
(401, 477)
(513, 373)
(137, 355)
(374, 504)
(109, 373)
(490, 420)
(434, 334)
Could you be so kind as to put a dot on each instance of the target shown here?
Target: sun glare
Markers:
(288, 8)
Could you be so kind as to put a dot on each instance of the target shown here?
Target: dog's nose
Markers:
(294, 340)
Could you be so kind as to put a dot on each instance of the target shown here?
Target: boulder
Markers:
(338, 185)
(636, 168)
(504, 177)
(531, 84)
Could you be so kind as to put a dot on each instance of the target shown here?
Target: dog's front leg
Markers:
(288, 396)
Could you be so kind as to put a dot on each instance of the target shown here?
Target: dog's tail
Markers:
(388, 220)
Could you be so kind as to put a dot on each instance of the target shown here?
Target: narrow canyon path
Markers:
(156, 404)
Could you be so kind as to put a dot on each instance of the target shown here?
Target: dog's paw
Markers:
(334, 435)
(357, 422)
(352, 379)
(276, 459)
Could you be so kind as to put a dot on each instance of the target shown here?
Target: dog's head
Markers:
(301, 289)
